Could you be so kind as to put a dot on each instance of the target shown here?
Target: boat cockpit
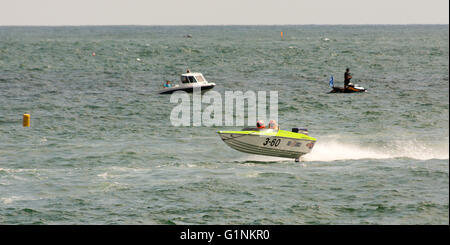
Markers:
(193, 78)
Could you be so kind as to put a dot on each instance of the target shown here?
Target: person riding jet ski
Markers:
(347, 77)
(349, 87)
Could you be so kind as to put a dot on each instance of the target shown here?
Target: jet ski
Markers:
(351, 88)
(188, 82)
(270, 142)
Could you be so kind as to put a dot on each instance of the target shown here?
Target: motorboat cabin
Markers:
(194, 77)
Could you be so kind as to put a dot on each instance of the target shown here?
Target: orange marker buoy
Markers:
(26, 120)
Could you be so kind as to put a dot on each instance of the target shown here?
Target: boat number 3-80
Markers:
(274, 142)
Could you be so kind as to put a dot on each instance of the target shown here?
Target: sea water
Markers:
(101, 148)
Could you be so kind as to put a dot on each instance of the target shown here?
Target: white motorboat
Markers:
(188, 82)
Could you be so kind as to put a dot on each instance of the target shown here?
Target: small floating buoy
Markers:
(93, 54)
(26, 120)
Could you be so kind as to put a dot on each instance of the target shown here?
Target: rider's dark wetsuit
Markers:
(347, 77)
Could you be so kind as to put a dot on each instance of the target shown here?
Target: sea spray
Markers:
(333, 150)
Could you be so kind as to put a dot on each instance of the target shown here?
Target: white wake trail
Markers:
(334, 150)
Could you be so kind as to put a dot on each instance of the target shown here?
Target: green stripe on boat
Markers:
(279, 133)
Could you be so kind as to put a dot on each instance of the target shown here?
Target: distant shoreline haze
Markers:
(224, 25)
(230, 12)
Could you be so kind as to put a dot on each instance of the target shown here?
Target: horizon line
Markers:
(100, 25)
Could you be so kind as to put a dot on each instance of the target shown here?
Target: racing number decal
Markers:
(274, 142)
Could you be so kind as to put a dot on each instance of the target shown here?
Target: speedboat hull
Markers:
(277, 143)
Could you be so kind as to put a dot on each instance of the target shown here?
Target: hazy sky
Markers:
(214, 12)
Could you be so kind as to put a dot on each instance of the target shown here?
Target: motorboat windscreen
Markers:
(200, 78)
(188, 79)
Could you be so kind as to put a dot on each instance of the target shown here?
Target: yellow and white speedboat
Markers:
(270, 142)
